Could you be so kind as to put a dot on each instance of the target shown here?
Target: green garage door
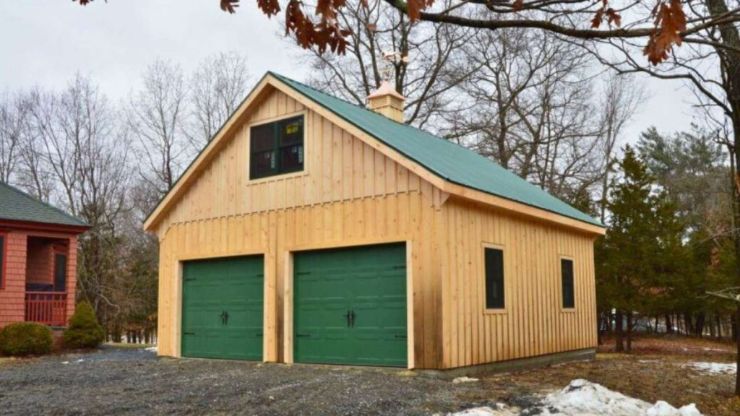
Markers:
(350, 306)
(222, 308)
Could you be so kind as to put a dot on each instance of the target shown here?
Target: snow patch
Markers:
(463, 379)
(583, 398)
(500, 410)
(713, 368)
(152, 349)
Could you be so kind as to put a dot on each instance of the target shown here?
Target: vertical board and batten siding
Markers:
(348, 194)
(533, 321)
(351, 194)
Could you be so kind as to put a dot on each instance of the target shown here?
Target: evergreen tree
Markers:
(691, 168)
(638, 257)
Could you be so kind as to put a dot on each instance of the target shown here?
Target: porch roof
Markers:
(16, 205)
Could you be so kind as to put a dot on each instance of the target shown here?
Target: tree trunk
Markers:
(688, 323)
(730, 65)
(629, 331)
(619, 347)
(699, 325)
(719, 326)
(668, 324)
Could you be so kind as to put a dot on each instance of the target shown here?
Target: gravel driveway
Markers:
(134, 381)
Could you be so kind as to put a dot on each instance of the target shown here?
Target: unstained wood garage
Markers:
(312, 230)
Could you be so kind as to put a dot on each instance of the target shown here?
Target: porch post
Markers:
(71, 288)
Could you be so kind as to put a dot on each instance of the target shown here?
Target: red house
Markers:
(38, 260)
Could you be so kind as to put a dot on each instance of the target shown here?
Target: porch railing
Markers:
(49, 308)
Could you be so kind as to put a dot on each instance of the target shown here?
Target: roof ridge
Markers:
(509, 186)
(46, 204)
(401, 124)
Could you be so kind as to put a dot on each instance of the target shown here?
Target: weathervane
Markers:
(392, 59)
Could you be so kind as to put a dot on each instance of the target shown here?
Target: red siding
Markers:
(12, 295)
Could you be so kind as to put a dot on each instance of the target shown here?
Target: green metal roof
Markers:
(445, 159)
(16, 205)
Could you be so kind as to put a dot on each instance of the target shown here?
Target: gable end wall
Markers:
(348, 194)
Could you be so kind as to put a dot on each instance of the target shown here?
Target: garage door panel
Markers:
(371, 282)
(223, 308)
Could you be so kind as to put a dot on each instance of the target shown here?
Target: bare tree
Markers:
(620, 100)
(529, 106)
(13, 129)
(63, 123)
(77, 153)
(217, 87)
(157, 119)
(432, 64)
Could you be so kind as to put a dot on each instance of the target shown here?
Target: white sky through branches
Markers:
(45, 42)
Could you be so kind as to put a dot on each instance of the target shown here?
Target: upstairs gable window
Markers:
(276, 148)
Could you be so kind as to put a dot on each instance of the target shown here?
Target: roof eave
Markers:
(153, 219)
(43, 226)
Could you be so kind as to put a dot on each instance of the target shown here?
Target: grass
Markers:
(654, 371)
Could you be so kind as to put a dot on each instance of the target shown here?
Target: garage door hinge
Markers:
(302, 273)
(189, 333)
(401, 336)
(302, 335)
(188, 279)
(403, 266)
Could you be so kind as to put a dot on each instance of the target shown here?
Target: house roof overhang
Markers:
(13, 225)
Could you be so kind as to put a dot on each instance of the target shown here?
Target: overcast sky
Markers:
(45, 42)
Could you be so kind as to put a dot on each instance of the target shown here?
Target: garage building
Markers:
(312, 230)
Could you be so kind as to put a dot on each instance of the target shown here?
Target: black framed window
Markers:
(2, 261)
(566, 273)
(276, 148)
(494, 264)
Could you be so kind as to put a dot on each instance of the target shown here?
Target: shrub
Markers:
(25, 338)
(84, 331)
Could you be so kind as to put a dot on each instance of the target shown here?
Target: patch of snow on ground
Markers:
(464, 380)
(152, 349)
(716, 349)
(713, 368)
(583, 398)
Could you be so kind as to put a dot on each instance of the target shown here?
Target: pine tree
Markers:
(639, 253)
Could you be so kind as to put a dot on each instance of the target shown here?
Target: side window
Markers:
(2, 261)
(566, 275)
(494, 259)
(276, 148)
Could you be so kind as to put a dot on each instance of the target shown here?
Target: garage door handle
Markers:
(352, 319)
(302, 335)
